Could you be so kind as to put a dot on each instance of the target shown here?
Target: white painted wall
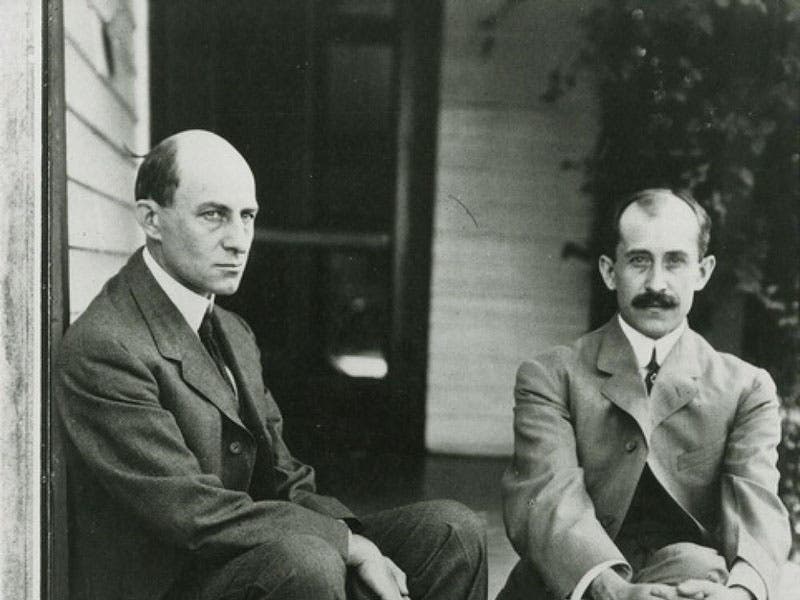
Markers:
(500, 290)
(107, 119)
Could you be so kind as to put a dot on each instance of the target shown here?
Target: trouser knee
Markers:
(447, 519)
(317, 562)
(312, 567)
(462, 520)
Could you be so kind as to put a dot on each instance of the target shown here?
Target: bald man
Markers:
(180, 484)
(645, 461)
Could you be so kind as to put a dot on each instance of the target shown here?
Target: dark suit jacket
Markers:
(162, 470)
(584, 427)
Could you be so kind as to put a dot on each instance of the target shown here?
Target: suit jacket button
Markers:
(235, 448)
(631, 446)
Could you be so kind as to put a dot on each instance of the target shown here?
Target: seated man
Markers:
(180, 483)
(645, 461)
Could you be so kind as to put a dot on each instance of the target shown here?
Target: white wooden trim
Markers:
(20, 298)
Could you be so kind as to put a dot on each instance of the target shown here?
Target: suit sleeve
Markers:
(294, 480)
(755, 526)
(109, 403)
(548, 513)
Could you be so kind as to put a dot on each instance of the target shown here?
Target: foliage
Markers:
(703, 95)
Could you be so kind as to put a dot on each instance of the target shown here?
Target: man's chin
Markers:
(225, 288)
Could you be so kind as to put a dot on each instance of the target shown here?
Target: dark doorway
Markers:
(334, 104)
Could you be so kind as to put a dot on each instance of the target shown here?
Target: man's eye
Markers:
(639, 261)
(675, 261)
(212, 215)
(248, 217)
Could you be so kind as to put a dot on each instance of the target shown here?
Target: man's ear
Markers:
(606, 267)
(706, 268)
(147, 214)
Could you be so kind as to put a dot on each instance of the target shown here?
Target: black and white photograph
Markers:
(400, 300)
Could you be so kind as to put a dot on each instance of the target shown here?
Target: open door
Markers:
(334, 105)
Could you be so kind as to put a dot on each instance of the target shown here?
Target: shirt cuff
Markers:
(744, 575)
(585, 581)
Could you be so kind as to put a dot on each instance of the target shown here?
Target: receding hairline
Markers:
(650, 201)
(201, 152)
(187, 155)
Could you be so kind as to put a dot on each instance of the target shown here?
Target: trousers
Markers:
(440, 545)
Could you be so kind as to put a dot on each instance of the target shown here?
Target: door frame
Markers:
(55, 303)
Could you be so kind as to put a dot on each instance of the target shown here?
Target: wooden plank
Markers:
(88, 271)
(95, 221)
(87, 22)
(55, 542)
(22, 328)
(533, 141)
(500, 289)
(82, 30)
(91, 161)
(524, 18)
(491, 191)
(532, 38)
(481, 435)
(90, 97)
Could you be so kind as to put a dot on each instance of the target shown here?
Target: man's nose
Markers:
(656, 279)
(238, 235)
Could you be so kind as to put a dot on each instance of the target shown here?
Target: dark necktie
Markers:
(652, 371)
(208, 336)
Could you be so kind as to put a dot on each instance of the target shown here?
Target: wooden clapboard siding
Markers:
(501, 290)
(92, 268)
(106, 121)
(100, 223)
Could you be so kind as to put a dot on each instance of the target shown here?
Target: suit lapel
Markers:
(176, 341)
(676, 383)
(246, 370)
(674, 388)
(624, 388)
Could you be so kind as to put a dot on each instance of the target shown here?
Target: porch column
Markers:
(20, 298)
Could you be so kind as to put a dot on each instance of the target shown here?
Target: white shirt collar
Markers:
(643, 345)
(191, 305)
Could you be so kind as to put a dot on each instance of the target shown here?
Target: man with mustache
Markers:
(645, 461)
(181, 486)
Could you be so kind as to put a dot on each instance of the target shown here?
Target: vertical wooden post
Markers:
(416, 191)
(55, 304)
(20, 298)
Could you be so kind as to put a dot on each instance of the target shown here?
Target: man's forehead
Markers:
(204, 174)
(663, 211)
(666, 223)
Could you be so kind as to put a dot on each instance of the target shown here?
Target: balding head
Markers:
(188, 156)
(196, 203)
(651, 201)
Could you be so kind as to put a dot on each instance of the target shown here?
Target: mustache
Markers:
(654, 300)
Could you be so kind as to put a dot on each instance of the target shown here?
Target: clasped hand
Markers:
(611, 586)
(703, 589)
(692, 589)
(378, 573)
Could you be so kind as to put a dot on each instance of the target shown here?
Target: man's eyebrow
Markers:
(213, 205)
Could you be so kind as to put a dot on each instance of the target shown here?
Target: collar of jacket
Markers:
(176, 341)
(675, 386)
